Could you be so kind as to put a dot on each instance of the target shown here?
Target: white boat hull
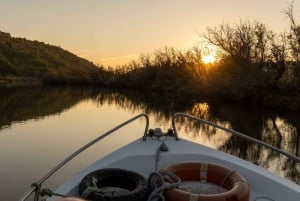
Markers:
(141, 156)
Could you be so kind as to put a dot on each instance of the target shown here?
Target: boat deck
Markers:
(157, 150)
(143, 157)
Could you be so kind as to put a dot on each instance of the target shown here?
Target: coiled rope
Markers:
(158, 184)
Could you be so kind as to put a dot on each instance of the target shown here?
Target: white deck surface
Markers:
(140, 156)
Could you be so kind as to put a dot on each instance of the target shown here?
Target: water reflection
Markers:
(276, 128)
(19, 104)
(279, 129)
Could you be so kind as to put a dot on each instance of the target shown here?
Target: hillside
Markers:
(22, 59)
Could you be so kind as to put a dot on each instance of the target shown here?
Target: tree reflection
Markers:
(18, 104)
(276, 128)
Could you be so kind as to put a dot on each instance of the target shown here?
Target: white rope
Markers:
(158, 184)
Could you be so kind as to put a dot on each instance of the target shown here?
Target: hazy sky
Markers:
(113, 31)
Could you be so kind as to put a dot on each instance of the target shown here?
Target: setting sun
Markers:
(208, 54)
(208, 59)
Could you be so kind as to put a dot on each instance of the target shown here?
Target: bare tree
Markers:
(294, 44)
(279, 53)
(244, 42)
(294, 34)
(145, 60)
(262, 45)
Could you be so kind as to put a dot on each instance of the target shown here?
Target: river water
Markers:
(39, 127)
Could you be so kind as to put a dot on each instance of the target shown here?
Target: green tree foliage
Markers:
(32, 59)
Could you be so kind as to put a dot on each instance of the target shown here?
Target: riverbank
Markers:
(18, 81)
(180, 76)
(272, 99)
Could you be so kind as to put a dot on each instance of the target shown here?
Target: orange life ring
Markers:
(236, 185)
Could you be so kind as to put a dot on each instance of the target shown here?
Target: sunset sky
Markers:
(112, 32)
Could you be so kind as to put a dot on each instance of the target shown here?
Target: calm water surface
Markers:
(39, 127)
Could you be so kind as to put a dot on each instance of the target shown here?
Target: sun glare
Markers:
(208, 59)
(208, 54)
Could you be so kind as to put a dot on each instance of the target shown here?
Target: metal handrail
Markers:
(62, 163)
(233, 132)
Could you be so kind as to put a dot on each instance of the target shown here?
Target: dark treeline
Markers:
(254, 65)
(167, 70)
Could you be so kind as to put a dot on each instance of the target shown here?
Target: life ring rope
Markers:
(193, 197)
(158, 184)
(203, 172)
(236, 185)
(227, 176)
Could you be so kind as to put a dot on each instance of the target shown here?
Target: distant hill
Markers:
(22, 59)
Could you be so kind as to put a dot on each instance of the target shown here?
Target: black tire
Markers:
(120, 185)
